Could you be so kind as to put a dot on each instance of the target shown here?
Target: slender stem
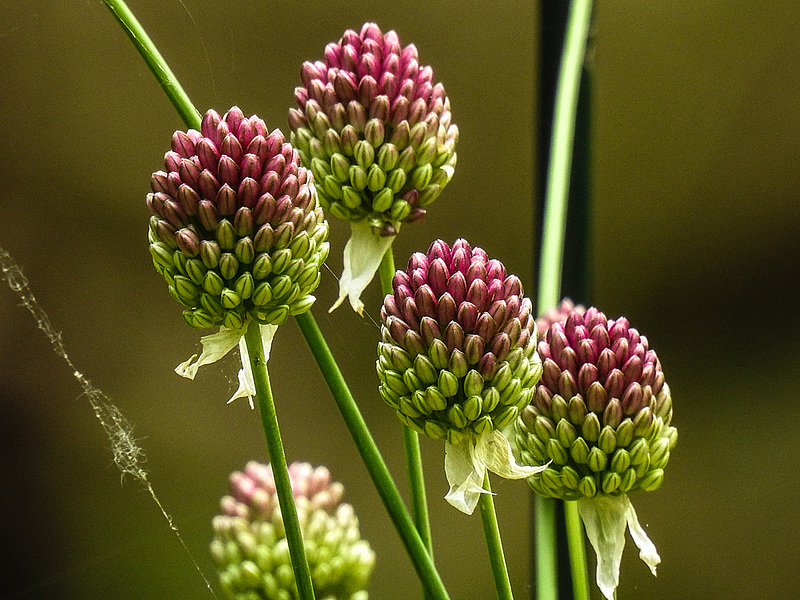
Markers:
(493, 543)
(551, 261)
(577, 554)
(156, 62)
(319, 348)
(419, 504)
(372, 458)
(561, 154)
(283, 485)
(386, 271)
(546, 554)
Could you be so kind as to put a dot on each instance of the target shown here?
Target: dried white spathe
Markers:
(362, 257)
(217, 345)
(605, 518)
(465, 465)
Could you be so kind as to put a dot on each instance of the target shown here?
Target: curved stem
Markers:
(166, 78)
(283, 485)
(577, 554)
(550, 266)
(372, 458)
(494, 545)
(555, 212)
(419, 504)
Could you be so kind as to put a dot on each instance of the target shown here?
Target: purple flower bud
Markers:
(604, 373)
(219, 190)
(369, 88)
(446, 322)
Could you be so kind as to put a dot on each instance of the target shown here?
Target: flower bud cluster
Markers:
(458, 350)
(375, 129)
(250, 548)
(602, 411)
(236, 229)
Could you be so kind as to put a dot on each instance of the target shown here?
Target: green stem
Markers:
(419, 505)
(283, 485)
(494, 545)
(166, 78)
(319, 348)
(577, 554)
(372, 458)
(551, 262)
(546, 555)
(555, 211)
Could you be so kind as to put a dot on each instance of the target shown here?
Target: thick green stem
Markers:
(166, 78)
(551, 262)
(372, 458)
(419, 504)
(493, 543)
(546, 554)
(283, 485)
(577, 552)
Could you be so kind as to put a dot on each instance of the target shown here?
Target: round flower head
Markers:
(376, 132)
(236, 229)
(600, 416)
(602, 412)
(250, 548)
(375, 129)
(458, 357)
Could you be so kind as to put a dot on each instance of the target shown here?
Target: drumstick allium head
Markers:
(236, 229)
(458, 351)
(375, 129)
(250, 548)
(602, 411)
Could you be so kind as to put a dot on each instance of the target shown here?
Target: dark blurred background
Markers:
(696, 220)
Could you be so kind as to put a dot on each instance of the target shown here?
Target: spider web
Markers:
(129, 456)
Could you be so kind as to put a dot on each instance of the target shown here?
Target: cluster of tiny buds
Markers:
(602, 412)
(250, 548)
(236, 229)
(458, 352)
(374, 129)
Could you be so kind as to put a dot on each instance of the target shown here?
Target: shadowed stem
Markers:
(494, 545)
(546, 554)
(283, 484)
(372, 458)
(577, 551)
(166, 78)
(550, 267)
(419, 505)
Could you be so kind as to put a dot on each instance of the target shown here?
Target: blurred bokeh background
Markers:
(695, 238)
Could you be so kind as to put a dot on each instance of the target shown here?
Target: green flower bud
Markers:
(597, 460)
(251, 553)
(228, 266)
(383, 199)
(340, 168)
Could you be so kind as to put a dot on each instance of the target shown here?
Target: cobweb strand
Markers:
(129, 457)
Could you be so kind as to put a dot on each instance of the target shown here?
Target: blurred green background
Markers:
(696, 239)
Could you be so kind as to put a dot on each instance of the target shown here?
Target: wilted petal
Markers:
(465, 465)
(247, 387)
(215, 346)
(605, 518)
(362, 257)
